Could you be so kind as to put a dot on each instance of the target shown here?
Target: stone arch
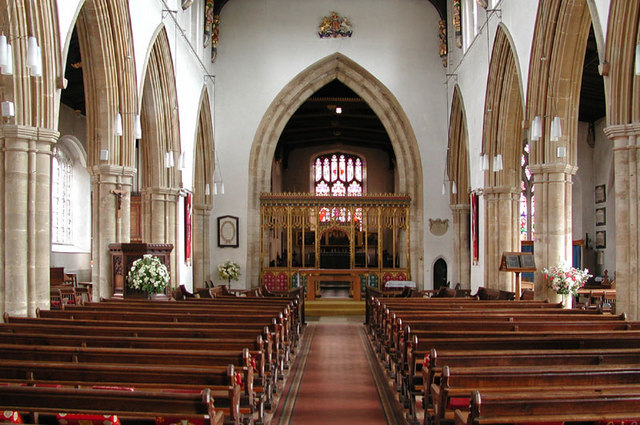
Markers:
(623, 119)
(439, 264)
(390, 113)
(555, 74)
(203, 201)
(502, 137)
(458, 172)
(160, 182)
(75, 148)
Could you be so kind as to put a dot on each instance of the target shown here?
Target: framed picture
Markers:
(601, 194)
(228, 231)
(601, 239)
(601, 216)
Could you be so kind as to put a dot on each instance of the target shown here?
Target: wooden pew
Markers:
(549, 407)
(126, 404)
(221, 380)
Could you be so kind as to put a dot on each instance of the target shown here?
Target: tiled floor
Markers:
(337, 387)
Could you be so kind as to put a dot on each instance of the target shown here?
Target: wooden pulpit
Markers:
(124, 254)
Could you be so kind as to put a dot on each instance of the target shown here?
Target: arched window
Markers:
(527, 200)
(61, 176)
(338, 174)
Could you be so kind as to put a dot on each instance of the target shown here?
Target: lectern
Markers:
(124, 254)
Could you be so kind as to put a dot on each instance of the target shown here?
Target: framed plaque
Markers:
(228, 231)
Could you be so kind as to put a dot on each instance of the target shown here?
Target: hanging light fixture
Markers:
(638, 59)
(497, 163)
(485, 162)
(8, 68)
(444, 188)
(118, 124)
(536, 129)
(3, 50)
(34, 57)
(137, 128)
(454, 187)
(207, 190)
(556, 129)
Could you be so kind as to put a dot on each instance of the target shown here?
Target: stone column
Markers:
(160, 220)
(111, 220)
(461, 245)
(25, 236)
(553, 237)
(501, 234)
(201, 245)
(626, 158)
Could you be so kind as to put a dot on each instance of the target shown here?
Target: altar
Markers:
(315, 276)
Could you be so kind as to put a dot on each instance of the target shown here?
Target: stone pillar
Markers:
(111, 220)
(25, 236)
(461, 245)
(626, 158)
(501, 234)
(201, 245)
(553, 236)
(160, 220)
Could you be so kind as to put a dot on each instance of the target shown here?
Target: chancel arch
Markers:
(555, 75)
(160, 150)
(396, 125)
(458, 173)
(203, 192)
(502, 145)
(623, 128)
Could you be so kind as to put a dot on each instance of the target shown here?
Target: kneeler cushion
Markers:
(82, 419)
(11, 417)
(461, 403)
(634, 421)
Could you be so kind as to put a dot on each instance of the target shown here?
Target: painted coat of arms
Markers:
(334, 26)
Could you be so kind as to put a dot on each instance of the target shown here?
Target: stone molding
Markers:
(622, 130)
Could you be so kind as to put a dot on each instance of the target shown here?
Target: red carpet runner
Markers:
(337, 386)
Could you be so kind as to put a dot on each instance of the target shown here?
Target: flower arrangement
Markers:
(229, 270)
(148, 274)
(565, 279)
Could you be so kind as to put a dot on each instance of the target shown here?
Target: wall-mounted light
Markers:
(118, 124)
(104, 154)
(444, 188)
(137, 128)
(182, 161)
(338, 110)
(207, 190)
(8, 109)
(536, 129)
(556, 129)
(3, 50)
(638, 59)
(454, 187)
(561, 152)
(34, 57)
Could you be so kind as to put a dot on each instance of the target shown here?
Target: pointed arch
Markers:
(502, 137)
(458, 169)
(160, 180)
(390, 113)
(203, 201)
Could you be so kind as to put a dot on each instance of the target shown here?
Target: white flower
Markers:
(148, 274)
(229, 270)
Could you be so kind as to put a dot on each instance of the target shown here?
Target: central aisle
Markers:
(337, 385)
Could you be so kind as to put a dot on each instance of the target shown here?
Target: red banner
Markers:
(474, 228)
(187, 228)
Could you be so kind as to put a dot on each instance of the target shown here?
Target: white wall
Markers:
(265, 44)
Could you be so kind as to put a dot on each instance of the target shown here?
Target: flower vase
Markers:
(567, 301)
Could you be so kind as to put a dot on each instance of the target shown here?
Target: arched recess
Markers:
(555, 76)
(458, 169)
(26, 141)
(203, 198)
(623, 119)
(388, 110)
(108, 72)
(502, 142)
(160, 149)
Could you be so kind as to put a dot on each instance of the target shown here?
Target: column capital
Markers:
(553, 167)
(460, 207)
(109, 170)
(28, 132)
(622, 130)
(501, 190)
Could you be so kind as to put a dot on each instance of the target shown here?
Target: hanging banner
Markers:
(474, 228)
(187, 228)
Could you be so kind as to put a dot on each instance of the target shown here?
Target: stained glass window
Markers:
(527, 200)
(61, 174)
(338, 174)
